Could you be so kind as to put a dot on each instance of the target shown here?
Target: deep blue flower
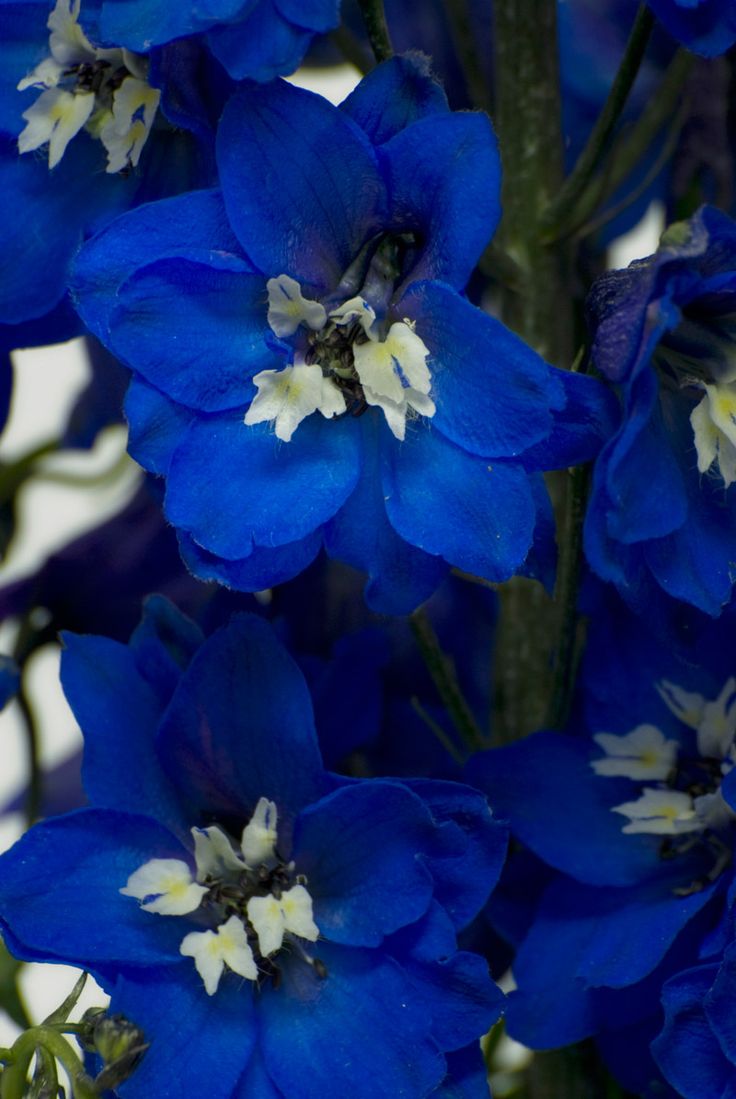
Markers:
(91, 131)
(634, 809)
(259, 39)
(276, 930)
(706, 26)
(325, 280)
(664, 334)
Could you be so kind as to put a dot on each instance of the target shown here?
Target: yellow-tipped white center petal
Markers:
(714, 426)
(213, 950)
(660, 813)
(214, 854)
(168, 885)
(134, 106)
(644, 753)
(258, 842)
(288, 396)
(288, 309)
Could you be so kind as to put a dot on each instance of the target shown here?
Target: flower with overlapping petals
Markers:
(307, 370)
(662, 511)
(275, 930)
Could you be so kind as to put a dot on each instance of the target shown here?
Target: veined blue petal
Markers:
(231, 485)
(118, 711)
(334, 1027)
(687, 1050)
(262, 47)
(358, 898)
(195, 330)
(156, 425)
(444, 180)
(240, 726)
(393, 96)
(300, 181)
(263, 568)
(60, 891)
(193, 223)
(493, 393)
(477, 514)
(214, 1036)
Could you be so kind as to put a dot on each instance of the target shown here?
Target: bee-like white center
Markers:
(262, 897)
(340, 361)
(104, 91)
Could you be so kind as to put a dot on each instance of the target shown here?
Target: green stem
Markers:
(351, 48)
(35, 782)
(468, 53)
(14, 1076)
(566, 596)
(595, 148)
(438, 731)
(443, 676)
(374, 17)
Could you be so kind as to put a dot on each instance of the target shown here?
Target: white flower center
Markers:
(258, 898)
(714, 426)
(340, 363)
(102, 90)
(688, 799)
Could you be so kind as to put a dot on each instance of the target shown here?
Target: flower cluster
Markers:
(440, 512)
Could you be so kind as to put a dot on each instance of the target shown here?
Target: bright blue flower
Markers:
(90, 132)
(664, 334)
(325, 279)
(634, 809)
(203, 754)
(706, 26)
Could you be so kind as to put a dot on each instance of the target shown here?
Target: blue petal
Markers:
(140, 24)
(558, 806)
(300, 181)
(477, 515)
(9, 680)
(263, 568)
(493, 393)
(60, 891)
(163, 644)
(467, 1076)
(156, 426)
(719, 1005)
(231, 485)
(240, 726)
(172, 227)
(262, 47)
(459, 992)
(360, 897)
(195, 330)
(256, 1083)
(400, 576)
(314, 15)
(394, 95)
(707, 27)
(362, 1031)
(199, 1044)
(444, 179)
(687, 1050)
(118, 711)
(464, 879)
(581, 428)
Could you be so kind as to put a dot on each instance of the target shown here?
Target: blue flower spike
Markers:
(245, 907)
(357, 400)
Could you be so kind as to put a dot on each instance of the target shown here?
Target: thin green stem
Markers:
(438, 731)
(602, 132)
(35, 781)
(374, 17)
(441, 669)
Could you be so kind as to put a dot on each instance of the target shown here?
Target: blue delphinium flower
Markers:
(276, 930)
(259, 39)
(706, 26)
(319, 294)
(88, 129)
(662, 514)
(635, 808)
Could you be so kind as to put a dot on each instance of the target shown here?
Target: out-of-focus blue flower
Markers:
(635, 810)
(319, 293)
(707, 27)
(661, 516)
(239, 902)
(88, 129)
(258, 39)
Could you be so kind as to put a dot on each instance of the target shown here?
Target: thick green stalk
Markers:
(374, 18)
(538, 307)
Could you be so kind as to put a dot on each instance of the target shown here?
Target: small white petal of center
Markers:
(356, 309)
(213, 950)
(165, 886)
(394, 375)
(271, 918)
(644, 753)
(714, 426)
(126, 130)
(288, 396)
(214, 854)
(258, 842)
(56, 116)
(288, 309)
(660, 813)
